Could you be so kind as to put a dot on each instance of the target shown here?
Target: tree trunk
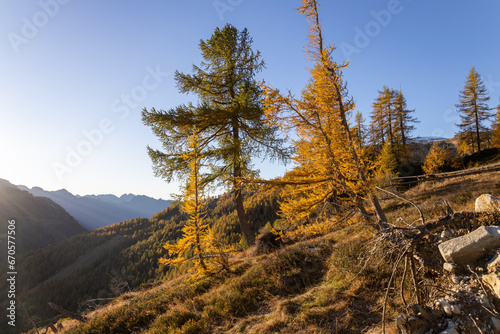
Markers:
(401, 125)
(238, 192)
(477, 133)
(378, 210)
(242, 217)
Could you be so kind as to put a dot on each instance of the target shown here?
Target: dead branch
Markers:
(415, 235)
(388, 288)
(406, 200)
(67, 313)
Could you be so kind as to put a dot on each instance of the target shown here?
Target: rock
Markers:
(471, 247)
(494, 263)
(412, 325)
(446, 307)
(484, 301)
(449, 267)
(446, 235)
(487, 203)
(450, 330)
(495, 322)
(493, 280)
(418, 320)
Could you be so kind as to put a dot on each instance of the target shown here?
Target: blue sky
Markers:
(75, 74)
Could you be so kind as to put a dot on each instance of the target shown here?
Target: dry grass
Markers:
(460, 193)
(328, 284)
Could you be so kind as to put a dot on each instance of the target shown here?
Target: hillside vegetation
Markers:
(332, 283)
(70, 272)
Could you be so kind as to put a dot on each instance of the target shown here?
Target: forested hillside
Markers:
(69, 273)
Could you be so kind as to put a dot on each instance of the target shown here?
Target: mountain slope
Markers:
(39, 221)
(86, 266)
(334, 283)
(102, 210)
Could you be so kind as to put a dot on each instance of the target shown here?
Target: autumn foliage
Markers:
(328, 170)
(438, 158)
(198, 243)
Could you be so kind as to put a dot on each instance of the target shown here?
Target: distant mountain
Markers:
(429, 139)
(94, 211)
(38, 221)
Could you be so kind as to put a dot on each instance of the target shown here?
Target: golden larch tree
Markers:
(474, 110)
(198, 243)
(437, 159)
(329, 169)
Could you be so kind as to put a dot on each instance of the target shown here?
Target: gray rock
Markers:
(494, 264)
(450, 330)
(471, 247)
(487, 203)
(496, 324)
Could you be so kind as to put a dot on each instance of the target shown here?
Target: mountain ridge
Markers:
(39, 221)
(95, 211)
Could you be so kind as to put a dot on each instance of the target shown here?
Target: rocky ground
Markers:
(462, 294)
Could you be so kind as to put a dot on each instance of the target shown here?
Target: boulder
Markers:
(487, 203)
(471, 247)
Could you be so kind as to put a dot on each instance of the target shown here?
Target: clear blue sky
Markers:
(69, 67)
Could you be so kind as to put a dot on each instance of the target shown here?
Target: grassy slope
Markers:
(83, 267)
(314, 286)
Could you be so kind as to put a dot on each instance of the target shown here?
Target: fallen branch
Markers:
(406, 200)
(67, 313)
(421, 232)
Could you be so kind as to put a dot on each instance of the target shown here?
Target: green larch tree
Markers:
(391, 120)
(473, 109)
(228, 114)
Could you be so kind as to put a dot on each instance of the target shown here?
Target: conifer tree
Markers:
(403, 122)
(383, 117)
(228, 115)
(328, 166)
(473, 110)
(391, 121)
(387, 164)
(437, 159)
(198, 243)
(495, 135)
(359, 131)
